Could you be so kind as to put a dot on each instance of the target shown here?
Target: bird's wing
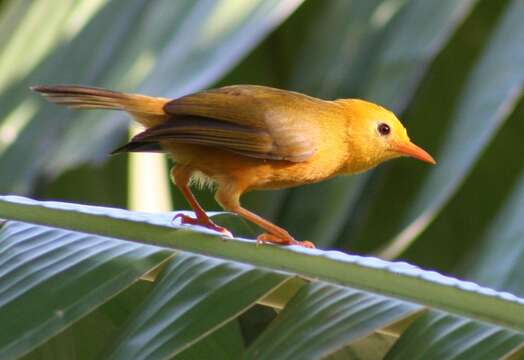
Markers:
(203, 131)
(250, 120)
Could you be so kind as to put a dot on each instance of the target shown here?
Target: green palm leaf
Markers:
(50, 278)
(320, 319)
(195, 296)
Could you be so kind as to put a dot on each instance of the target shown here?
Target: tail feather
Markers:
(147, 110)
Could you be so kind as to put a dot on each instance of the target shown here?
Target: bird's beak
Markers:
(414, 151)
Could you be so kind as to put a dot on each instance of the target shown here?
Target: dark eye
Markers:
(383, 129)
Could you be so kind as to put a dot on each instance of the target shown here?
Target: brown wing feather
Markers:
(136, 146)
(244, 140)
(281, 116)
(204, 131)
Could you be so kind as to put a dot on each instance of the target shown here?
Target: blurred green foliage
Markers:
(451, 69)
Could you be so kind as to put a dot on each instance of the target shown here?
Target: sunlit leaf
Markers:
(161, 47)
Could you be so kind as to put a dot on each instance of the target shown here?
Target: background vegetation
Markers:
(451, 69)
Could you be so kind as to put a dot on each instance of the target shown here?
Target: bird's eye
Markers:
(383, 129)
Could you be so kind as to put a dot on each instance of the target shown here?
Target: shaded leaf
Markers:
(395, 183)
(98, 184)
(440, 336)
(398, 63)
(468, 217)
(481, 111)
(69, 273)
(417, 35)
(374, 346)
(192, 299)
(336, 66)
(322, 319)
(254, 321)
(502, 240)
(87, 338)
(224, 343)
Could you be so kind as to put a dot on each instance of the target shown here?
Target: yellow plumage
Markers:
(247, 137)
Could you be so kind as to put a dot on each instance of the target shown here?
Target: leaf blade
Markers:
(191, 300)
(468, 135)
(396, 279)
(69, 273)
(439, 336)
(322, 319)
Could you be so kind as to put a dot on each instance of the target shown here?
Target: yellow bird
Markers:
(248, 137)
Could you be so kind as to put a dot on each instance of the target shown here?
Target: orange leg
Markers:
(181, 176)
(275, 234)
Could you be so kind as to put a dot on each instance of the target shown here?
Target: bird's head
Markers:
(376, 135)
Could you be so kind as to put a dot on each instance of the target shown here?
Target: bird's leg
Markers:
(180, 176)
(230, 201)
(275, 234)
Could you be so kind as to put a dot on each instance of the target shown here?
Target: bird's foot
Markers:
(269, 238)
(207, 223)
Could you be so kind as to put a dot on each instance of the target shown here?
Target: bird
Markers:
(240, 138)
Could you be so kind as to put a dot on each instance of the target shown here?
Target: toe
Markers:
(264, 239)
(223, 231)
(187, 220)
(269, 238)
(184, 219)
(306, 244)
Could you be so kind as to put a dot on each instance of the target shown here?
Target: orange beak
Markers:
(412, 150)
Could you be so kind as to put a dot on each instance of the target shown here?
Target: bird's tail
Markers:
(147, 110)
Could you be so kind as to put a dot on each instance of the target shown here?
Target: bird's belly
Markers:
(251, 173)
(285, 174)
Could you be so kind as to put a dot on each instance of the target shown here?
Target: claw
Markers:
(184, 219)
(269, 238)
